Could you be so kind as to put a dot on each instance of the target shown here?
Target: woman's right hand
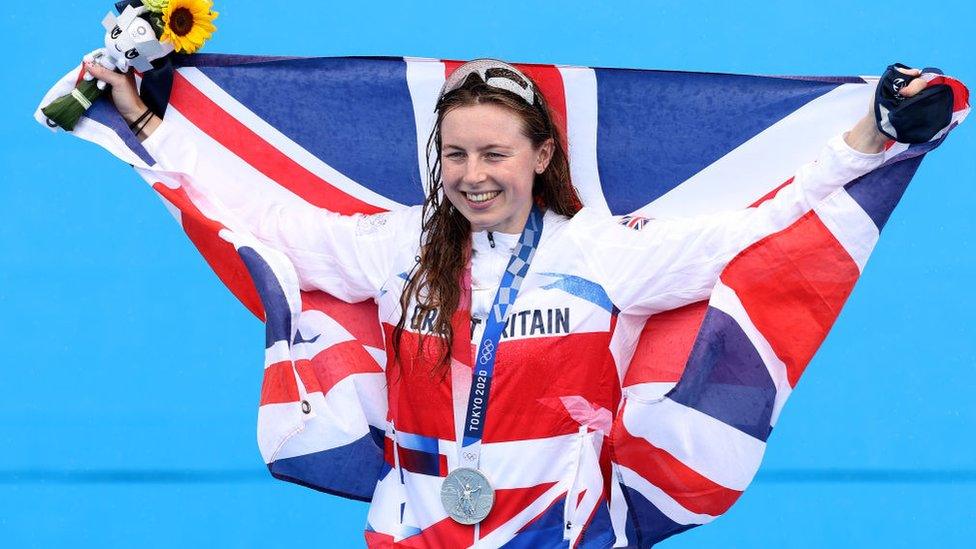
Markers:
(124, 94)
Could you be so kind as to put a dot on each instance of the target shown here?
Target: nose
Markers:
(474, 172)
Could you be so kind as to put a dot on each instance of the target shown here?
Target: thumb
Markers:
(910, 72)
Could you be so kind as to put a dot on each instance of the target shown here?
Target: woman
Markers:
(551, 292)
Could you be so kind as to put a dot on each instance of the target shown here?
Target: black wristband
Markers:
(139, 120)
(145, 123)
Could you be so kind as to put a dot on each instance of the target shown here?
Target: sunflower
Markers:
(187, 24)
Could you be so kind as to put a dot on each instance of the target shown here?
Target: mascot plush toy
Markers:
(131, 40)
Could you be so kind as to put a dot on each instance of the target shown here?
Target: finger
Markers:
(910, 72)
(92, 55)
(913, 87)
(92, 68)
(101, 72)
(106, 62)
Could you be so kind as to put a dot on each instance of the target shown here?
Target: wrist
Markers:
(133, 114)
(864, 137)
(147, 127)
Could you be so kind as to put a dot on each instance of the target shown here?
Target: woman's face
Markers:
(488, 166)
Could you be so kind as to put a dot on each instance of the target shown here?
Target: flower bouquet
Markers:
(143, 32)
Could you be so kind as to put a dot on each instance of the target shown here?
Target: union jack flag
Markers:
(349, 135)
(635, 222)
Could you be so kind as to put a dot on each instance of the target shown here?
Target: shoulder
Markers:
(593, 222)
(389, 224)
(583, 230)
(586, 216)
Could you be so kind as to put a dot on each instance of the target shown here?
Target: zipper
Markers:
(569, 511)
(491, 239)
(396, 467)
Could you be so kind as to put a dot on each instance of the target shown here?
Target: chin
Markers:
(480, 219)
(481, 224)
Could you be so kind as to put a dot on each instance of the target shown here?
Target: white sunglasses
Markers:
(494, 73)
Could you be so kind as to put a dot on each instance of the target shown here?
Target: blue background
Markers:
(129, 376)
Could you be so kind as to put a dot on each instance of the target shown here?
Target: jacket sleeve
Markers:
(347, 256)
(674, 262)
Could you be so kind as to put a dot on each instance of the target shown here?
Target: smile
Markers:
(482, 197)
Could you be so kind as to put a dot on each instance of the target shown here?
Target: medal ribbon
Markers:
(484, 362)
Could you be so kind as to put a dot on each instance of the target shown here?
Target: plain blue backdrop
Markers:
(129, 376)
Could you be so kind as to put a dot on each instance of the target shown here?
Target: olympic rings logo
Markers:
(487, 350)
(470, 456)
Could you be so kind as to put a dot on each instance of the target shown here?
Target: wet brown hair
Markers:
(435, 281)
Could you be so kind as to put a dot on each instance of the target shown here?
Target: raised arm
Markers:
(674, 262)
(125, 96)
(348, 256)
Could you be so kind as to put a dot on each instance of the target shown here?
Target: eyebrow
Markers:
(486, 147)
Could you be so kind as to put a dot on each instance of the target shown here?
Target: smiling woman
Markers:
(487, 166)
(495, 154)
(539, 429)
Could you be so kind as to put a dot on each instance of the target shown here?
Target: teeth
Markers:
(482, 197)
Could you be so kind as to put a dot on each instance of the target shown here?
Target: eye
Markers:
(494, 156)
(116, 31)
(131, 54)
(456, 155)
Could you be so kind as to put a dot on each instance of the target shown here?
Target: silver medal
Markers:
(467, 495)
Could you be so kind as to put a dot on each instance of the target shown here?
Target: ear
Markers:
(544, 155)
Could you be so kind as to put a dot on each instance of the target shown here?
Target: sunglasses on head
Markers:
(494, 73)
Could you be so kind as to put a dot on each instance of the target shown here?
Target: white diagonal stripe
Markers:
(425, 77)
(281, 142)
(850, 225)
(581, 126)
(726, 300)
(335, 420)
(765, 161)
(716, 450)
(665, 503)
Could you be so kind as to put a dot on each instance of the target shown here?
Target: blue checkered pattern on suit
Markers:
(518, 265)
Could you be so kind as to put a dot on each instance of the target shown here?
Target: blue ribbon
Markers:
(484, 361)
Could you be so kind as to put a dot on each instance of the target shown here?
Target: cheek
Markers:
(450, 175)
(510, 175)
(524, 179)
(525, 174)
